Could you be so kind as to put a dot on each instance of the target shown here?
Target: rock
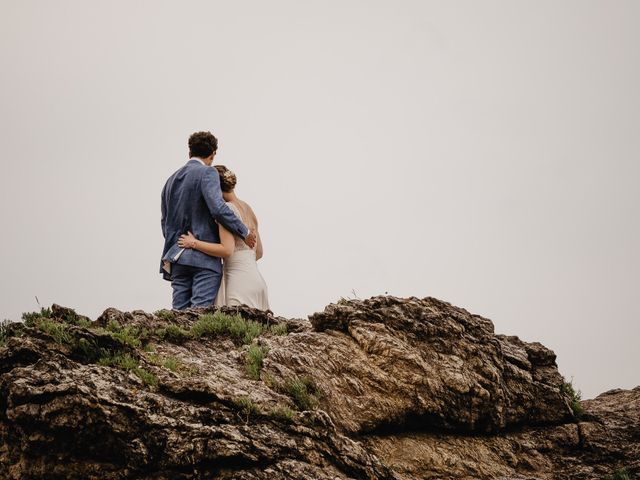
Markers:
(385, 388)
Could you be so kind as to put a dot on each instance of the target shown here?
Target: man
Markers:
(192, 201)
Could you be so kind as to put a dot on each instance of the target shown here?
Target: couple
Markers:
(202, 222)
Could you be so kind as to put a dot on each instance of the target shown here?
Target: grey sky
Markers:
(482, 152)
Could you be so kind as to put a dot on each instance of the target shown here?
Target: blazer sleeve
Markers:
(163, 211)
(219, 210)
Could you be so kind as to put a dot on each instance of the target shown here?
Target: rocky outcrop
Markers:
(384, 388)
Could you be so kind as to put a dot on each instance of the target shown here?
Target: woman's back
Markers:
(242, 283)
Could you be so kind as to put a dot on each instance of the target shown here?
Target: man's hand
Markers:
(251, 239)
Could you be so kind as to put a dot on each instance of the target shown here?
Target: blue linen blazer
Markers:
(192, 201)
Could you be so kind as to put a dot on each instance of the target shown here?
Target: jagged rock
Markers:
(384, 388)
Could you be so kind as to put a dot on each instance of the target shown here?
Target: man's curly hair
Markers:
(202, 144)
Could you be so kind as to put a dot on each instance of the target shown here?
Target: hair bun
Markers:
(228, 179)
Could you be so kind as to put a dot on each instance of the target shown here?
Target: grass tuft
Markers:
(568, 390)
(172, 363)
(130, 364)
(254, 359)
(282, 413)
(131, 335)
(240, 330)
(303, 391)
(173, 333)
(621, 474)
(31, 317)
(4, 332)
(279, 329)
(246, 407)
(165, 314)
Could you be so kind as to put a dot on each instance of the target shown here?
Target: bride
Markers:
(242, 283)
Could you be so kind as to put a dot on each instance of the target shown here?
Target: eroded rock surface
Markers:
(384, 388)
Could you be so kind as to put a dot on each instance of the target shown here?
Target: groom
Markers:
(192, 201)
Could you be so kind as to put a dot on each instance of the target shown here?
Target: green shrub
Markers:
(113, 326)
(568, 390)
(130, 364)
(4, 333)
(83, 322)
(123, 361)
(165, 314)
(254, 359)
(621, 474)
(173, 333)
(172, 363)
(211, 324)
(279, 329)
(31, 317)
(240, 330)
(130, 335)
(303, 391)
(87, 349)
(282, 413)
(246, 407)
(56, 330)
(147, 377)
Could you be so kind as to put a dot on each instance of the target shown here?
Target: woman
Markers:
(242, 283)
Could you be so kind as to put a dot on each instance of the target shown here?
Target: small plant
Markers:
(172, 363)
(113, 326)
(621, 474)
(568, 390)
(173, 333)
(31, 317)
(130, 335)
(4, 333)
(123, 361)
(211, 324)
(246, 407)
(254, 359)
(130, 364)
(56, 330)
(241, 330)
(146, 376)
(165, 314)
(83, 322)
(282, 413)
(278, 329)
(303, 391)
(87, 349)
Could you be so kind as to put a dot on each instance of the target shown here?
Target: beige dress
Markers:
(242, 283)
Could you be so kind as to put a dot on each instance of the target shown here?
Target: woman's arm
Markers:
(223, 249)
(259, 250)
